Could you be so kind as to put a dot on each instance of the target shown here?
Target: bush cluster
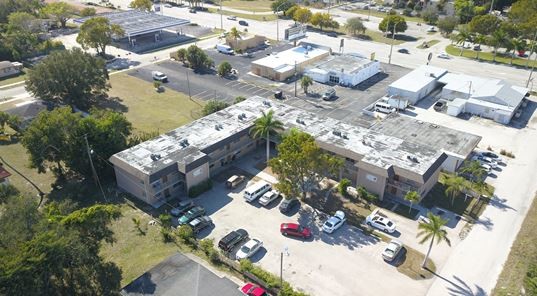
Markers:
(269, 279)
(207, 246)
(202, 187)
(507, 153)
(186, 234)
(342, 186)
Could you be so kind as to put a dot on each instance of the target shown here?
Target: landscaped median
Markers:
(501, 58)
(252, 16)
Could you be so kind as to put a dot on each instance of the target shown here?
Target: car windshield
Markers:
(390, 223)
(389, 251)
(328, 224)
(245, 249)
(160, 75)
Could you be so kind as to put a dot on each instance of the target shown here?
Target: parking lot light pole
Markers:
(391, 45)
(281, 264)
(534, 59)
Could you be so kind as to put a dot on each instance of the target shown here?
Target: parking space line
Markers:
(251, 87)
(265, 93)
(245, 85)
(260, 90)
(233, 83)
(206, 96)
(197, 95)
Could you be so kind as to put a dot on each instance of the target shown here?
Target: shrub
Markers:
(207, 245)
(213, 106)
(166, 220)
(202, 187)
(157, 84)
(167, 235)
(224, 68)
(186, 234)
(530, 282)
(507, 153)
(407, 12)
(342, 186)
(239, 99)
(88, 11)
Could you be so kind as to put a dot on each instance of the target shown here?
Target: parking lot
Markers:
(340, 263)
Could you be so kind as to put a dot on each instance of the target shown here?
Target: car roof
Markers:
(291, 226)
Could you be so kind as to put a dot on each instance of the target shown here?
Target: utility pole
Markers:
(95, 176)
(391, 46)
(281, 269)
(296, 78)
(188, 85)
(39, 191)
(534, 59)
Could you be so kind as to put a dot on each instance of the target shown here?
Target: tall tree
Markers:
(281, 6)
(60, 11)
(524, 14)
(430, 14)
(323, 20)
(393, 24)
(306, 82)
(480, 40)
(412, 197)
(266, 126)
(23, 21)
(355, 25)
(70, 77)
(432, 230)
(465, 10)
(301, 164)
(462, 37)
(198, 59)
(497, 40)
(447, 24)
(235, 34)
(455, 185)
(97, 33)
(144, 5)
(302, 15)
(474, 169)
(484, 24)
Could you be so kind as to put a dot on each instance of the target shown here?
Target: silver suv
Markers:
(159, 76)
(329, 94)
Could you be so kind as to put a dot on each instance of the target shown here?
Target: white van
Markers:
(225, 49)
(254, 191)
(384, 108)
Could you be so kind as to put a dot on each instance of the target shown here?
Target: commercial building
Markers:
(495, 99)
(166, 166)
(417, 84)
(457, 145)
(282, 65)
(344, 69)
(8, 68)
(245, 41)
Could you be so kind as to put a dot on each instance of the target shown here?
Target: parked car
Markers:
(331, 34)
(295, 229)
(192, 214)
(200, 223)
(391, 251)
(477, 47)
(443, 55)
(486, 160)
(431, 29)
(384, 108)
(329, 94)
(182, 208)
(268, 197)
(288, 204)
(439, 106)
(192, 10)
(403, 50)
(167, 5)
(334, 222)
(234, 181)
(381, 223)
(159, 76)
(232, 18)
(249, 249)
(253, 290)
(491, 155)
(243, 23)
(228, 242)
(225, 49)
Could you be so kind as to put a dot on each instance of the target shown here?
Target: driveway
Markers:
(346, 262)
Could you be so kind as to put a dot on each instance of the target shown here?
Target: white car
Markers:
(334, 222)
(391, 251)
(232, 18)
(443, 55)
(431, 29)
(486, 160)
(268, 197)
(249, 249)
(168, 5)
(381, 223)
(492, 155)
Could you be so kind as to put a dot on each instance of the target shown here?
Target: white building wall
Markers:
(452, 162)
(358, 77)
(412, 97)
(318, 76)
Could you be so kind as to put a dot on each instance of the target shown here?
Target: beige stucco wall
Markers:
(365, 178)
(247, 42)
(197, 175)
(133, 184)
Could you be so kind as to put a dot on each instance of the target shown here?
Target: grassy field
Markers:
(148, 110)
(523, 253)
(132, 251)
(253, 6)
(256, 17)
(376, 36)
(487, 56)
(383, 14)
(411, 265)
(13, 79)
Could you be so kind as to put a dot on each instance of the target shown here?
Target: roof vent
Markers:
(433, 125)
(155, 157)
(337, 133)
(217, 127)
(345, 136)
(412, 158)
(413, 135)
(184, 143)
(242, 116)
(266, 103)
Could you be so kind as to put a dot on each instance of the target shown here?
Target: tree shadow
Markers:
(500, 203)
(459, 287)
(112, 103)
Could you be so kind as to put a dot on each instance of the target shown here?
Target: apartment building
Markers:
(165, 167)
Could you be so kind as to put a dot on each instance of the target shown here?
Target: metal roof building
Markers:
(136, 22)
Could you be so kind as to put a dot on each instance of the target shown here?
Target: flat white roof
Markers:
(288, 57)
(418, 78)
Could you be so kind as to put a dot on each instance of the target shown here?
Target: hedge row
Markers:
(200, 188)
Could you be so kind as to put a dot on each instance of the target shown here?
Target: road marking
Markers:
(259, 90)
(232, 82)
(245, 85)
(251, 87)
(206, 96)
(201, 93)
(265, 93)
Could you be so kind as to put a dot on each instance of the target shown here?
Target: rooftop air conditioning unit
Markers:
(266, 103)
(337, 133)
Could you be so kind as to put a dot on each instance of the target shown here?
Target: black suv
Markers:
(288, 204)
(232, 239)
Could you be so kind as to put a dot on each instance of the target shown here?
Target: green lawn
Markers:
(470, 208)
(133, 252)
(405, 211)
(411, 265)
(148, 110)
(13, 79)
(523, 253)
(257, 17)
(254, 6)
(381, 14)
(487, 56)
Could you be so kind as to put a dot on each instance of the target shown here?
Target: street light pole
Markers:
(281, 269)
(391, 45)
(295, 78)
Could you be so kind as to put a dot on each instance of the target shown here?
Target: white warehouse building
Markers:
(417, 84)
(343, 69)
(495, 99)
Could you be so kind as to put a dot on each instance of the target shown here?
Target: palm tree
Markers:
(305, 82)
(431, 230)
(497, 40)
(265, 126)
(520, 44)
(454, 186)
(236, 35)
(480, 39)
(510, 46)
(412, 197)
(462, 37)
(473, 168)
